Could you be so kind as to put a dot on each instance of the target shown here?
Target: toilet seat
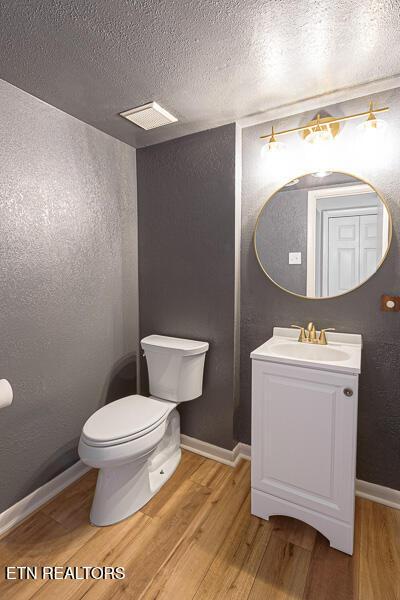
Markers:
(124, 420)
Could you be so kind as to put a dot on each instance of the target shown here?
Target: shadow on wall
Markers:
(122, 380)
(58, 462)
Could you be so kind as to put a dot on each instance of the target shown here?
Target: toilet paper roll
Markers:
(6, 393)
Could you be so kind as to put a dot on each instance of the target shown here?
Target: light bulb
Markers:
(321, 174)
(319, 135)
(372, 128)
(293, 182)
(272, 149)
(372, 125)
(272, 146)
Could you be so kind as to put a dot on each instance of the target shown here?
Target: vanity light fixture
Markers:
(324, 129)
(372, 123)
(273, 145)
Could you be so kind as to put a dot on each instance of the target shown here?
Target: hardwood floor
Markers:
(196, 539)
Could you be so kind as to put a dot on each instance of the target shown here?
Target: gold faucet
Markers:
(308, 335)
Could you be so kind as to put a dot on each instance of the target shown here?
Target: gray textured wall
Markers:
(186, 207)
(68, 292)
(282, 228)
(263, 305)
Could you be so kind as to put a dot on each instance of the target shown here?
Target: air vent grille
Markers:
(149, 116)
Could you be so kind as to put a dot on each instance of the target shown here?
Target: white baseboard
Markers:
(364, 489)
(242, 450)
(22, 509)
(378, 493)
(227, 457)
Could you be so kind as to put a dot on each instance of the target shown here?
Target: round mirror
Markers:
(323, 234)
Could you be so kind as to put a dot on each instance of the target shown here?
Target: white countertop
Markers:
(348, 343)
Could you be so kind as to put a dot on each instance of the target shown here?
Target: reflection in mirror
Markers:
(323, 234)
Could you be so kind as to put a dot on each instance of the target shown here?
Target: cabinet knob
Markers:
(348, 392)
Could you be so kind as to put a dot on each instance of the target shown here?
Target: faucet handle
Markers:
(303, 335)
(322, 337)
(312, 334)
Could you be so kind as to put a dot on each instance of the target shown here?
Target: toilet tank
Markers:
(175, 367)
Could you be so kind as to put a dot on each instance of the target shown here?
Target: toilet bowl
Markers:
(135, 441)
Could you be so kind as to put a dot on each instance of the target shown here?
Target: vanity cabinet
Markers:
(304, 424)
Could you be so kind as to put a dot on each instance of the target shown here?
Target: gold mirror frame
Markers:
(382, 199)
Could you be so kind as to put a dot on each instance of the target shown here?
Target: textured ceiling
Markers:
(206, 61)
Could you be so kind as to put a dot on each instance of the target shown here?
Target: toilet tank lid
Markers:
(159, 343)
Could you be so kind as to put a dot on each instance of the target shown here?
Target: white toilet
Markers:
(135, 441)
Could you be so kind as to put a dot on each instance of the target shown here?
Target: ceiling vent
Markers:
(149, 116)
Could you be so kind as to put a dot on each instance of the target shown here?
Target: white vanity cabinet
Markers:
(304, 424)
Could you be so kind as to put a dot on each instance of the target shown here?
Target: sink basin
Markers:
(342, 354)
(309, 352)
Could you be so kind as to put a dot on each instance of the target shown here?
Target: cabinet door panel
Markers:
(303, 436)
(299, 418)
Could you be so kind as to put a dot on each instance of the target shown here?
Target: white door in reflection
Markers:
(347, 237)
(353, 250)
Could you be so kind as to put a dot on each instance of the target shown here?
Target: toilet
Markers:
(135, 441)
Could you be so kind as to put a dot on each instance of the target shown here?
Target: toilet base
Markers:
(123, 490)
(161, 475)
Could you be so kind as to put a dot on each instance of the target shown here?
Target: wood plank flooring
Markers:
(196, 539)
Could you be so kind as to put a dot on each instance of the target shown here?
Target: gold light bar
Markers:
(328, 121)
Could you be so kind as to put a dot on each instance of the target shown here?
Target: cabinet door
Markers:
(303, 436)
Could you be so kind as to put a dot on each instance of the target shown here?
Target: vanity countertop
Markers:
(342, 354)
